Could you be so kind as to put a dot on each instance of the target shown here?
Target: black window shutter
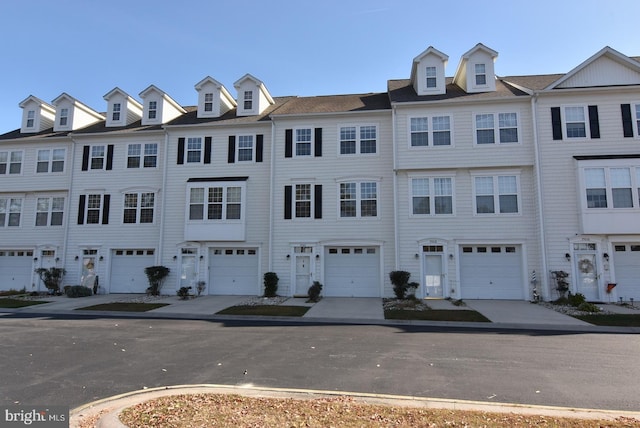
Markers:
(259, 147)
(83, 198)
(317, 196)
(85, 158)
(287, 202)
(207, 149)
(556, 123)
(627, 122)
(109, 157)
(105, 209)
(317, 151)
(231, 155)
(288, 143)
(594, 123)
(180, 159)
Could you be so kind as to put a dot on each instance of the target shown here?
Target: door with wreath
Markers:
(587, 277)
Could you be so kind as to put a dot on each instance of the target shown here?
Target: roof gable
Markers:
(465, 75)
(434, 61)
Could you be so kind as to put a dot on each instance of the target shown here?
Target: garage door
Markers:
(127, 270)
(491, 272)
(627, 267)
(15, 269)
(234, 271)
(352, 272)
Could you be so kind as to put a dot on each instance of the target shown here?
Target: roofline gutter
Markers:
(459, 101)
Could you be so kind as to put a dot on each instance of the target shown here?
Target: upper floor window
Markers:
(481, 74)
(194, 149)
(359, 199)
(49, 211)
(215, 203)
(31, 116)
(50, 160)
(575, 122)
(245, 148)
(358, 139)
(64, 116)
(303, 142)
(153, 109)
(11, 162)
(138, 207)
(136, 158)
(432, 196)
(115, 116)
(97, 157)
(496, 194)
(612, 187)
(10, 212)
(248, 100)
(506, 130)
(208, 102)
(440, 127)
(303, 201)
(638, 119)
(431, 77)
(93, 209)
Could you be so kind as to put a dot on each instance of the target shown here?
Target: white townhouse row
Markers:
(480, 186)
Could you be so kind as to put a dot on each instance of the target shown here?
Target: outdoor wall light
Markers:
(175, 257)
(606, 256)
(76, 258)
(288, 256)
(450, 256)
(101, 258)
(317, 256)
(567, 256)
(417, 256)
(35, 259)
(57, 259)
(201, 257)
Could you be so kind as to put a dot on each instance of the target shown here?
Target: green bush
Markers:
(588, 307)
(400, 281)
(156, 276)
(270, 284)
(78, 291)
(51, 277)
(576, 299)
(183, 293)
(314, 291)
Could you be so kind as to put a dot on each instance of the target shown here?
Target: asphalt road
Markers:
(64, 361)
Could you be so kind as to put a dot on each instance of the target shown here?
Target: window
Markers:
(208, 102)
(431, 77)
(481, 74)
(245, 148)
(31, 116)
(358, 139)
(136, 159)
(194, 149)
(51, 160)
(221, 203)
(248, 100)
(497, 194)
(359, 199)
(612, 187)
(621, 191)
(638, 119)
(138, 207)
(432, 196)
(115, 116)
(506, 132)
(575, 122)
(64, 116)
(11, 162)
(94, 209)
(303, 201)
(440, 134)
(153, 109)
(303, 142)
(49, 211)
(97, 157)
(10, 211)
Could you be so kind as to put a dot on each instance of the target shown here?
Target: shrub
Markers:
(588, 307)
(51, 277)
(200, 286)
(576, 299)
(314, 291)
(400, 281)
(78, 291)
(156, 276)
(183, 293)
(270, 284)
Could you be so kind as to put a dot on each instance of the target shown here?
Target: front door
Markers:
(587, 275)
(433, 276)
(303, 274)
(48, 261)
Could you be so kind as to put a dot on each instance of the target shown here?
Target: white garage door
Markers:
(491, 272)
(127, 270)
(627, 267)
(234, 271)
(15, 269)
(352, 272)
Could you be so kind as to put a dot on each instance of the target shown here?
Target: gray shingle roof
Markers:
(401, 90)
(335, 104)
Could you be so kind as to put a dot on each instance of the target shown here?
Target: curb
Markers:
(108, 409)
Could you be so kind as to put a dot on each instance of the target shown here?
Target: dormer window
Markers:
(153, 109)
(208, 102)
(116, 112)
(431, 77)
(248, 100)
(64, 116)
(481, 74)
(31, 116)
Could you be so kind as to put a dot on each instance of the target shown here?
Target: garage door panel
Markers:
(234, 271)
(352, 272)
(16, 270)
(127, 270)
(627, 269)
(491, 272)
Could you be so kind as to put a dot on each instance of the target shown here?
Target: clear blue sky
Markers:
(296, 47)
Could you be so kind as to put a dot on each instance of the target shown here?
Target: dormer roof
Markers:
(253, 96)
(118, 91)
(221, 100)
(78, 116)
(257, 82)
(434, 83)
(37, 115)
(166, 107)
(465, 75)
(122, 109)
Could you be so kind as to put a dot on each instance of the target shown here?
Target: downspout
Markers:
(68, 217)
(164, 198)
(542, 277)
(395, 188)
(271, 184)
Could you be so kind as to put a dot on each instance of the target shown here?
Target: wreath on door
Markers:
(585, 266)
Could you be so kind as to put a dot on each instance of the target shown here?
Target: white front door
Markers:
(303, 274)
(587, 276)
(433, 276)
